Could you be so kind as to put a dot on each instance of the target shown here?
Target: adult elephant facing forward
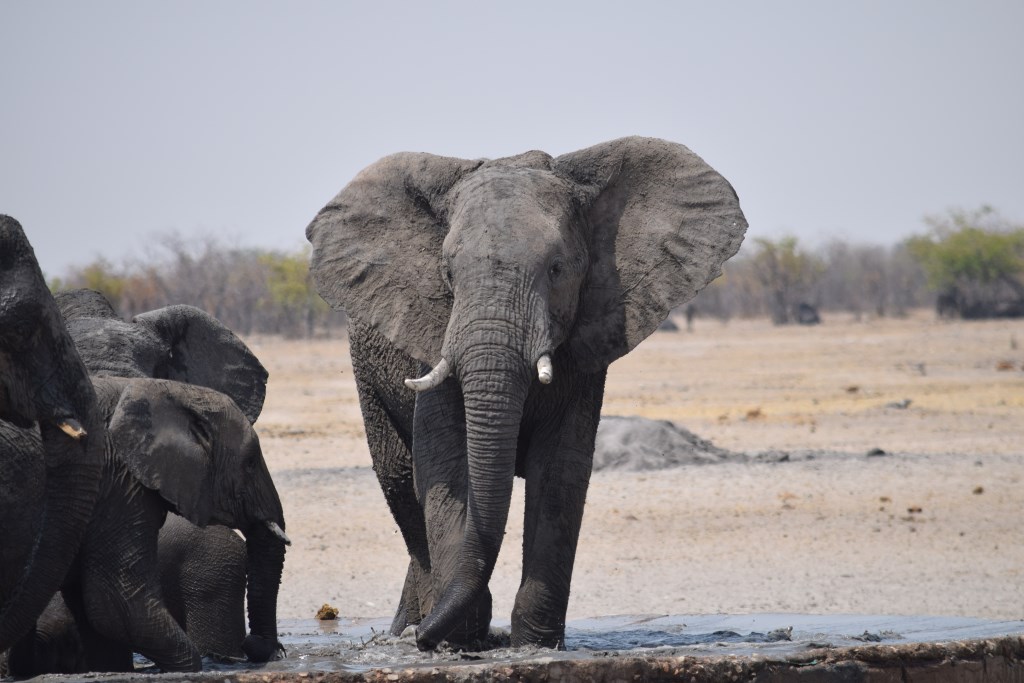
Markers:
(518, 281)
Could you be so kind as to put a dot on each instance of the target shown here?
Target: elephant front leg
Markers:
(135, 616)
(120, 580)
(558, 467)
(387, 407)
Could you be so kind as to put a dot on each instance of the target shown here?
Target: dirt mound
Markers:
(636, 444)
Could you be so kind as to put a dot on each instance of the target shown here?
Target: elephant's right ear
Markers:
(165, 444)
(377, 249)
(203, 351)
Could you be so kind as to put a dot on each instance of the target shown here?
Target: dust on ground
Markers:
(928, 526)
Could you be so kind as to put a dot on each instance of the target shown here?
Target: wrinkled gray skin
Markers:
(171, 447)
(492, 265)
(49, 480)
(203, 578)
(203, 571)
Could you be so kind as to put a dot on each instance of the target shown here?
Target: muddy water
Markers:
(361, 646)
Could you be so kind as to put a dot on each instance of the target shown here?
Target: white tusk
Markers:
(431, 379)
(72, 428)
(279, 532)
(545, 372)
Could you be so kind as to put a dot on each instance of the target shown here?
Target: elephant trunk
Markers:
(73, 467)
(265, 547)
(495, 378)
(265, 554)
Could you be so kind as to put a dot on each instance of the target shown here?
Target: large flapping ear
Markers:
(662, 223)
(377, 249)
(206, 353)
(166, 444)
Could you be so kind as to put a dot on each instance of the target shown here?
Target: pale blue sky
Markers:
(238, 119)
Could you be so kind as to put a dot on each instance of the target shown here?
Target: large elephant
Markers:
(170, 446)
(515, 282)
(51, 440)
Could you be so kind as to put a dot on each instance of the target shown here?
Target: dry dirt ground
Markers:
(931, 527)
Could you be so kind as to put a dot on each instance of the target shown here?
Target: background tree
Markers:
(787, 274)
(974, 260)
(249, 290)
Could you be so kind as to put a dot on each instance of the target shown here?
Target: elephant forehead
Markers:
(114, 347)
(512, 190)
(498, 203)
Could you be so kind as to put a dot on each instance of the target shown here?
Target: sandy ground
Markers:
(933, 527)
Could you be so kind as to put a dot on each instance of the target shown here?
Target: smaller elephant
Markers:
(203, 570)
(203, 578)
(171, 447)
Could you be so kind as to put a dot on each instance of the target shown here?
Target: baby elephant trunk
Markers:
(265, 543)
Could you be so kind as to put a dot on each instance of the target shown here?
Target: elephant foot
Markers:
(261, 649)
(526, 631)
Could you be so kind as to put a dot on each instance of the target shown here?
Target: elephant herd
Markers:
(486, 299)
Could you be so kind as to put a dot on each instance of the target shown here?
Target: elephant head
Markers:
(497, 273)
(177, 342)
(197, 449)
(43, 381)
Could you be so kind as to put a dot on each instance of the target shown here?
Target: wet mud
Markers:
(763, 647)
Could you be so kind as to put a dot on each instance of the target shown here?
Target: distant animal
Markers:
(510, 285)
(807, 314)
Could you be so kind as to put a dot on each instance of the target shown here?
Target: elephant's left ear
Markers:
(166, 444)
(662, 223)
(203, 351)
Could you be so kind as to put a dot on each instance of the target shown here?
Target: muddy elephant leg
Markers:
(134, 614)
(387, 408)
(439, 457)
(101, 654)
(558, 469)
(120, 580)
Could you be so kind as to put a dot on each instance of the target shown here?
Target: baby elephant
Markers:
(171, 447)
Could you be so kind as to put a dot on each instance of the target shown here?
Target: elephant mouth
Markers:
(441, 372)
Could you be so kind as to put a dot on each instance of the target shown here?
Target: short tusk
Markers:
(431, 379)
(72, 428)
(545, 372)
(279, 532)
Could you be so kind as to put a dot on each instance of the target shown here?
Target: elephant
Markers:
(177, 342)
(203, 570)
(51, 440)
(176, 447)
(510, 285)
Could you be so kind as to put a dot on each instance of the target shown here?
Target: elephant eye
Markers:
(446, 273)
(555, 270)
